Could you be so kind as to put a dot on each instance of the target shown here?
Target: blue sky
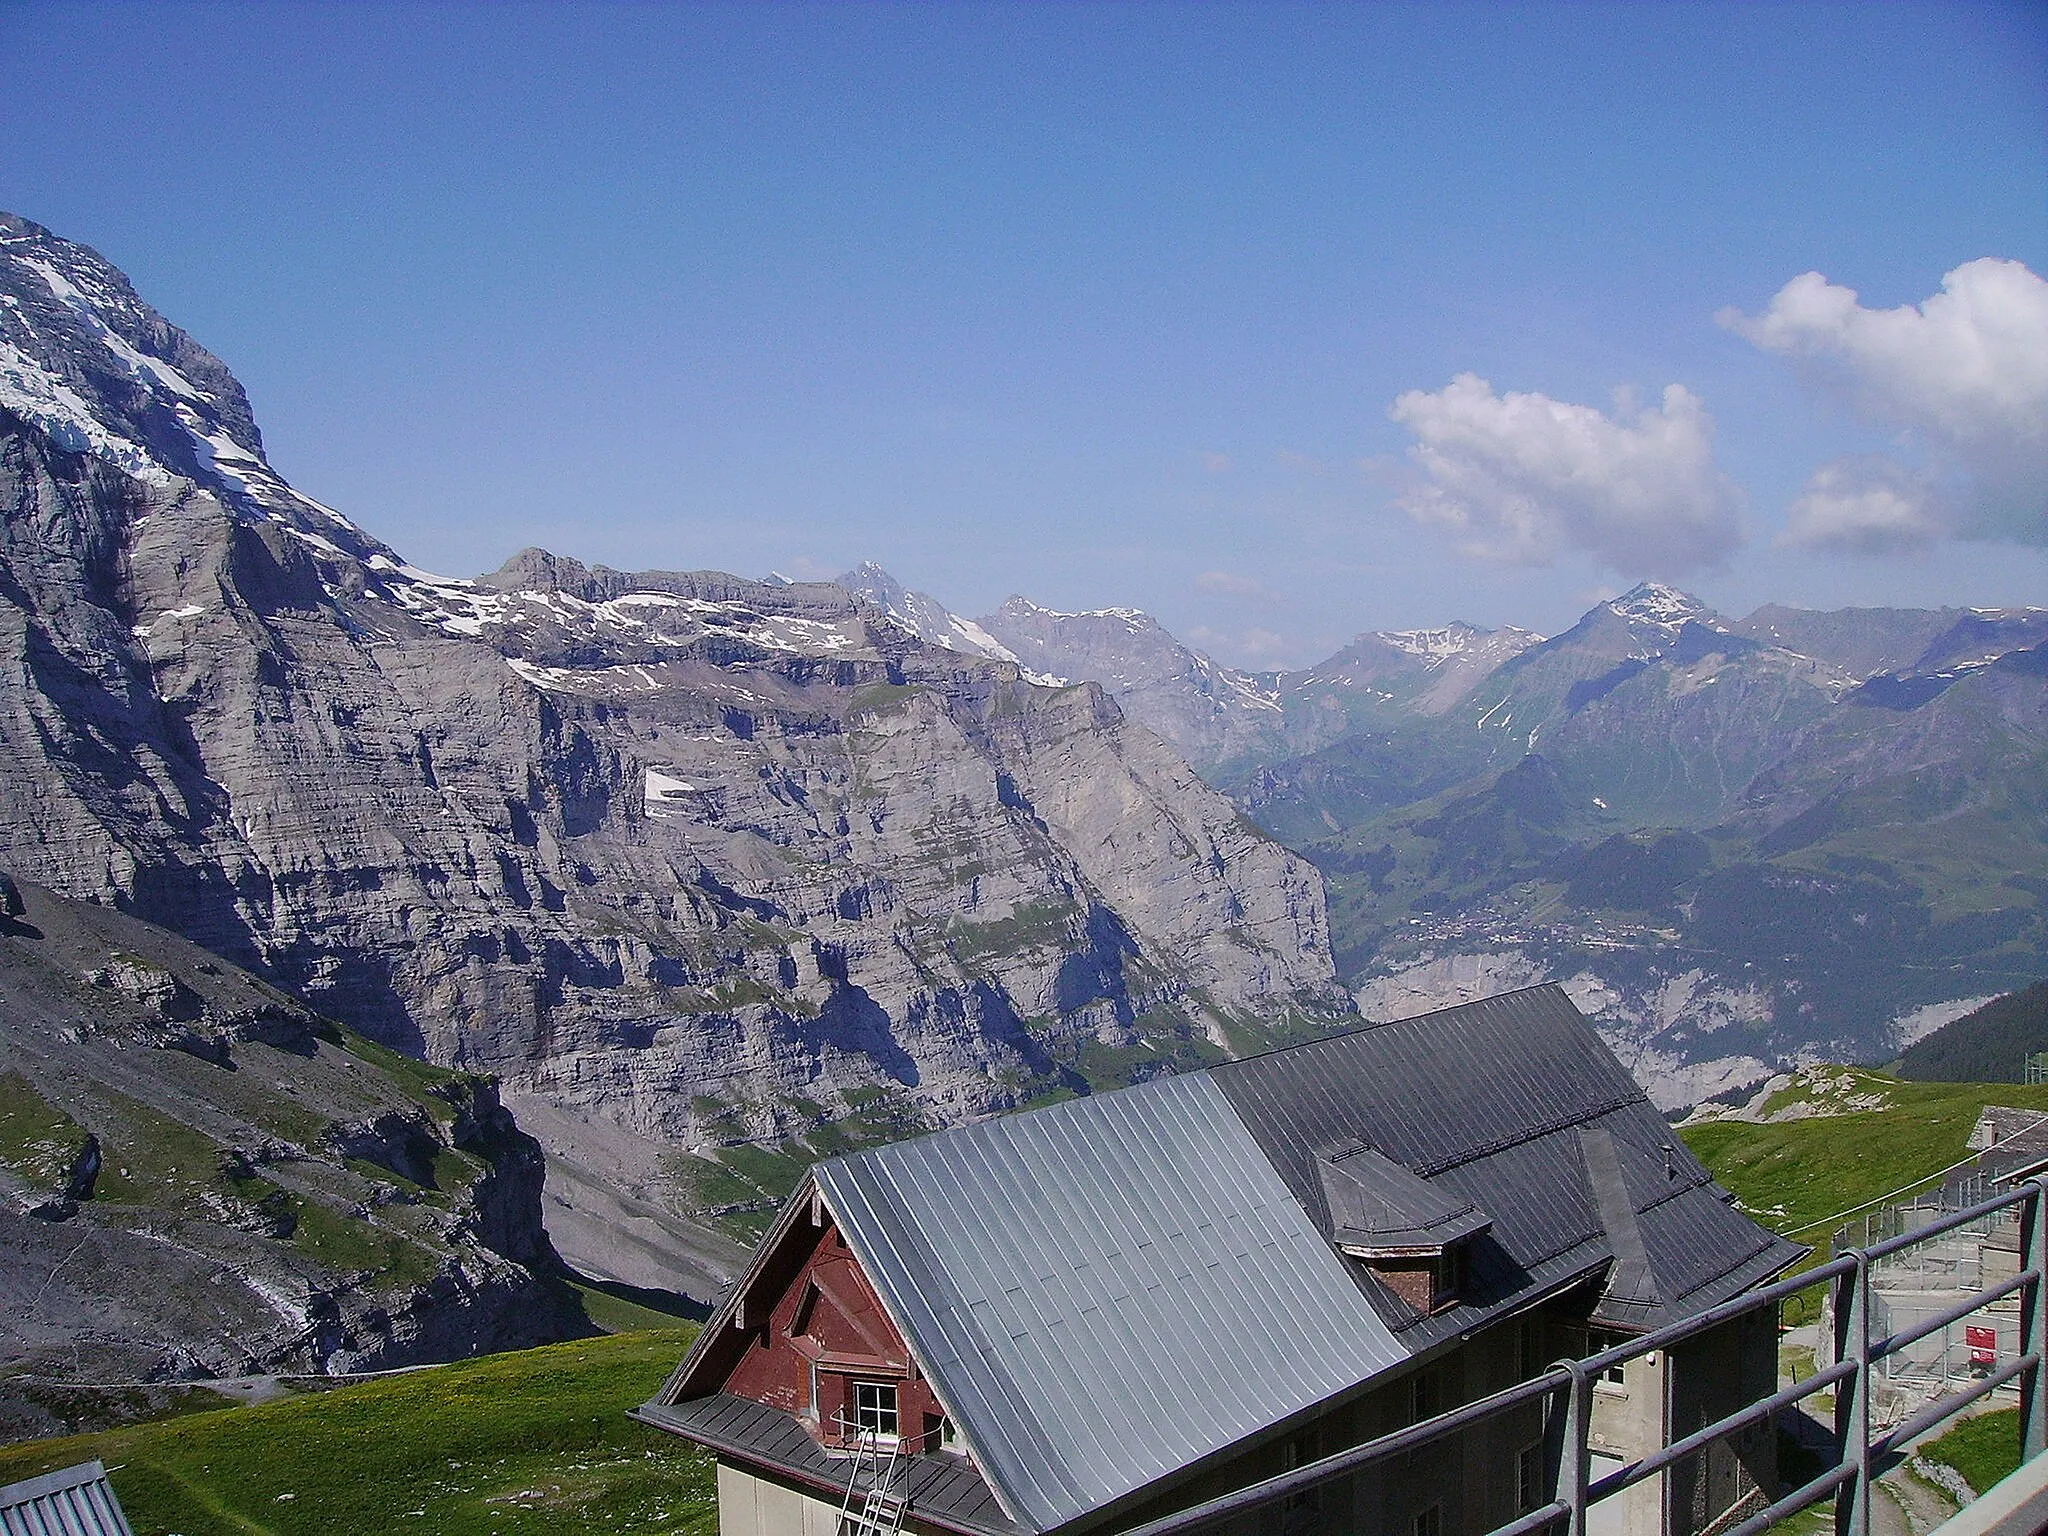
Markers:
(1107, 305)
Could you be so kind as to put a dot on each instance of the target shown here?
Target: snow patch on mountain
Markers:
(43, 400)
(1653, 609)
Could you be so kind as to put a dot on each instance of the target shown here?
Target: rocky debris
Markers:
(296, 1201)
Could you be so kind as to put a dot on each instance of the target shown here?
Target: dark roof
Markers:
(77, 1501)
(1182, 1233)
(1378, 1205)
(1485, 1104)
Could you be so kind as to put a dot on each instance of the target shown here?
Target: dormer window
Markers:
(1411, 1235)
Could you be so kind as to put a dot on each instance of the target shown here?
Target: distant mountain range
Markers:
(1799, 835)
(718, 874)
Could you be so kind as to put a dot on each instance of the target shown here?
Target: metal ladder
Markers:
(881, 1508)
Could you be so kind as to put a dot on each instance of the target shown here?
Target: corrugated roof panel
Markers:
(1135, 1284)
(75, 1502)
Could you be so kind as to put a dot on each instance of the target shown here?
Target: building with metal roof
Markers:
(1078, 1317)
(78, 1501)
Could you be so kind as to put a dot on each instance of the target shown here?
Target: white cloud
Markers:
(1252, 647)
(1965, 373)
(1522, 478)
(1866, 505)
(1234, 585)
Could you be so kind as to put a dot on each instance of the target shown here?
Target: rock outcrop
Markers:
(703, 858)
(199, 1178)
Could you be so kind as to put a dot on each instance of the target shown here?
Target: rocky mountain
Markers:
(1426, 671)
(1213, 714)
(695, 863)
(199, 1177)
(929, 619)
(1224, 720)
(1735, 852)
(1859, 641)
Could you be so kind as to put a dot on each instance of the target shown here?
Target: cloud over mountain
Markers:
(1866, 504)
(1521, 478)
(1965, 373)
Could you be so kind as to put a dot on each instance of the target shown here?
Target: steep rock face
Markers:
(199, 1177)
(699, 856)
(1213, 714)
(927, 618)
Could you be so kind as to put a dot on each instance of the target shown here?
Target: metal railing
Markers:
(1863, 1452)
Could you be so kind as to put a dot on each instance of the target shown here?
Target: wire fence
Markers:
(1950, 1256)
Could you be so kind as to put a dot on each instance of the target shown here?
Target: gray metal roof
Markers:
(1107, 1291)
(1104, 1293)
(75, 1502)
(1377, 1204)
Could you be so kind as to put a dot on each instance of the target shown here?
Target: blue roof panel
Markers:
(77, 1501)
(1135, 1285)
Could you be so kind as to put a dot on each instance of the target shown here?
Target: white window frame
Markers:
(886, 1406)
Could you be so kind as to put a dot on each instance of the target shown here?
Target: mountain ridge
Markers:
(704, 861)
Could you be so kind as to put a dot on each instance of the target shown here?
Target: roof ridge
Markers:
(1370, 1025)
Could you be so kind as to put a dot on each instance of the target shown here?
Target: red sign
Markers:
(1983, 1344)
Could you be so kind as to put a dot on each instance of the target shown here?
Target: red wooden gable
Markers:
(811, 1338)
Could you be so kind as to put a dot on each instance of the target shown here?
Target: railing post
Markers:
(1852, 1407)
(1575, 1458)
(2034, 1319)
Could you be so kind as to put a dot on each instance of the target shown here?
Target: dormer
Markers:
(1409, 1234)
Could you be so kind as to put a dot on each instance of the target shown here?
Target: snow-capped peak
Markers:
(84, 360)
(1652, 605)
(922, 614)
(1446, 640)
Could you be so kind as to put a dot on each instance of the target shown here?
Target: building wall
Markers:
(825, 1331)
(750, 1504)
(1629, 1422)
(1712, 1376)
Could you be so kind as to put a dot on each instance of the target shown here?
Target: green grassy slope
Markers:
(1874, 1134)
(1983, 1449)
(533, 1443)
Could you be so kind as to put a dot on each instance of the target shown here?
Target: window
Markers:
(1529, 1477)
(1613, 1375)
(874, 1408)
(1423, 1397)
(1430, 1522)
(1448, 1276)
